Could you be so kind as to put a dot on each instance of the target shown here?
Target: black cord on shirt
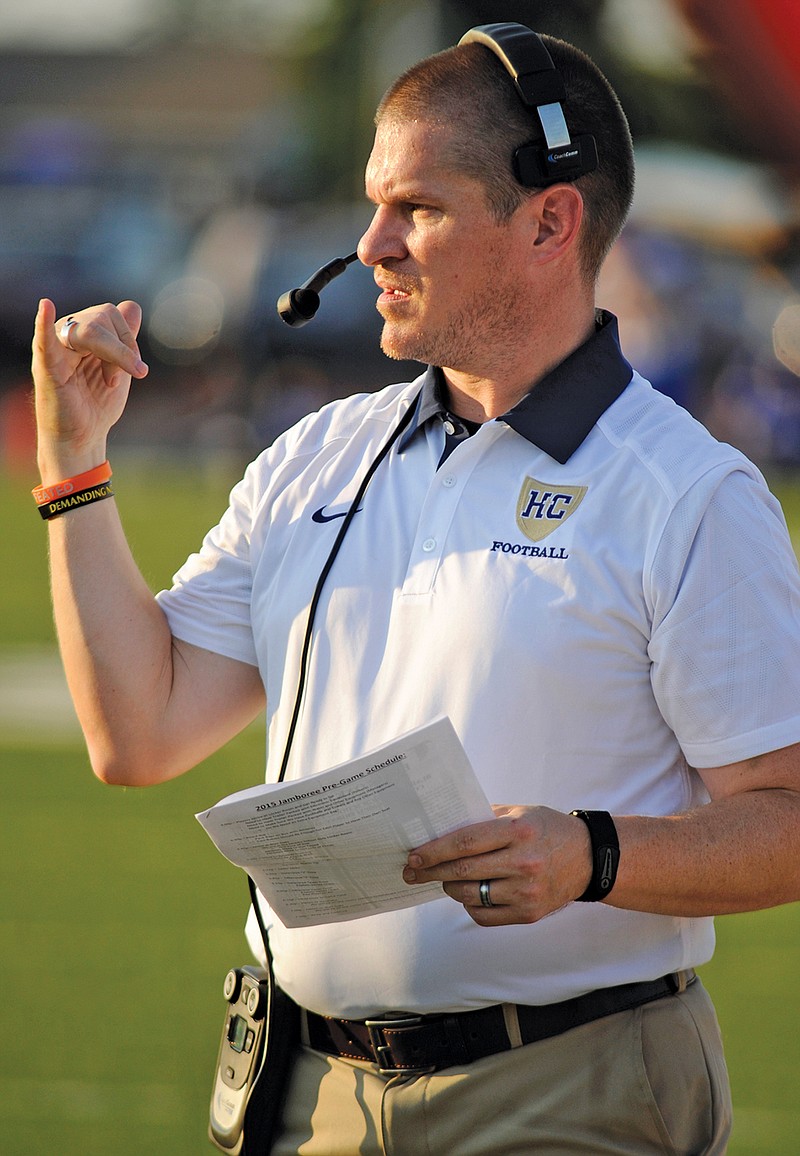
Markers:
(405, 420)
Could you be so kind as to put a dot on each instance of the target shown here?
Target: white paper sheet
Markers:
(332, 846)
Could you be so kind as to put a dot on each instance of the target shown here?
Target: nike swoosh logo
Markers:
(320, 515)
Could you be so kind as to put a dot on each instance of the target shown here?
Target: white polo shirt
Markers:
(597, 593)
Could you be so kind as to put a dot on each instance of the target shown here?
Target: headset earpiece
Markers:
(540, 86)
(536, 167)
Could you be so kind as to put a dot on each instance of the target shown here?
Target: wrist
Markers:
(59, 462)
(604, 854)
(71, 493)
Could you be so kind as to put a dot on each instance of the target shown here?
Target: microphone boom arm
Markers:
(297, 306)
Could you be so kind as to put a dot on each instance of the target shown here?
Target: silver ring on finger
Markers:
(64, 332)
(483, 891)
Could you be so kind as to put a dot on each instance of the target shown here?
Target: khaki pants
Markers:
(649, 1080)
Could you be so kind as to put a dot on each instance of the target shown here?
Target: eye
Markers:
(418, 209)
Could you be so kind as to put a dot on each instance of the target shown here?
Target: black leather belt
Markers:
(400, 1043)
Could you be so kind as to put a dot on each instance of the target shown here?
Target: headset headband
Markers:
(539, 85)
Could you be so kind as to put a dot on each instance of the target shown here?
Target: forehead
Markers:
(410, 154)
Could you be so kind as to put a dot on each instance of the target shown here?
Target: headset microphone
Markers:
(297, 306)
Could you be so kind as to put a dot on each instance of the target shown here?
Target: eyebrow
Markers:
(403, 197)
(398, 190)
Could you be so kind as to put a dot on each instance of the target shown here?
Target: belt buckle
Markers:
(383, 1051)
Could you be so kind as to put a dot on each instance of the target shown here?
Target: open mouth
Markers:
(392, 295)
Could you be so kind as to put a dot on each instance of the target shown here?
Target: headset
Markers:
(540, 86)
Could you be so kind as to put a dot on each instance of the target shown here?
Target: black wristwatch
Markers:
(605, 854)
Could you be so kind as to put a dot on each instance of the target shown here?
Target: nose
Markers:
(382, 239)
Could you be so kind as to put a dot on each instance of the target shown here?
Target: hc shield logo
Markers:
(542, 508)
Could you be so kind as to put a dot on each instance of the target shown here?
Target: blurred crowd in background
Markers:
(201, 157)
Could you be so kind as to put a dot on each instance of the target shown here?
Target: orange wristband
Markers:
(77, 498)
(94, 477)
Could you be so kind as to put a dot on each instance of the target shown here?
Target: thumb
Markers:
(46, 346)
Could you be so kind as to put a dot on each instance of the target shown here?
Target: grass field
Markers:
(118, 919)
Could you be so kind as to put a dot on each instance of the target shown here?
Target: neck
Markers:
(483, 395)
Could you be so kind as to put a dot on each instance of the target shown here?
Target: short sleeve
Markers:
(209, 602)
(725, 645)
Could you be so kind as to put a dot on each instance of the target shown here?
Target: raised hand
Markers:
(82, 375)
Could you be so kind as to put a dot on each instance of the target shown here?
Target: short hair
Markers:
(468, 89)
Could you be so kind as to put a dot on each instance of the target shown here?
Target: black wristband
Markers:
(73, 501)
(605, 854)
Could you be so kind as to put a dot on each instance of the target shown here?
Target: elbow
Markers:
(126, 767)
(115, 774)
(119, 773)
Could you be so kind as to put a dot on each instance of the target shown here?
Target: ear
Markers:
(556, 215)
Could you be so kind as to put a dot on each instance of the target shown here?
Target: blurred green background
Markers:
(119, 919)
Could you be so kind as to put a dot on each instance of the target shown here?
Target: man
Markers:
(602, 598)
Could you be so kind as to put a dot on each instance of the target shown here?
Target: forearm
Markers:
(115, 643)
(739, 853)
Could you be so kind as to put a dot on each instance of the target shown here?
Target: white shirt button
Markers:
(428, 545)
(449, 480)
(449, 427)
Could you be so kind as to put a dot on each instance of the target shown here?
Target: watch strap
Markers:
(605, 854)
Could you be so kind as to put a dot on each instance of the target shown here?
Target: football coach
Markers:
(602, 598)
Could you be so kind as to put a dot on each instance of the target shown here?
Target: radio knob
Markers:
(232, 985)
(255, 1003)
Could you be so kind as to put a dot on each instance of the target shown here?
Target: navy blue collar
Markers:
(558, 413)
